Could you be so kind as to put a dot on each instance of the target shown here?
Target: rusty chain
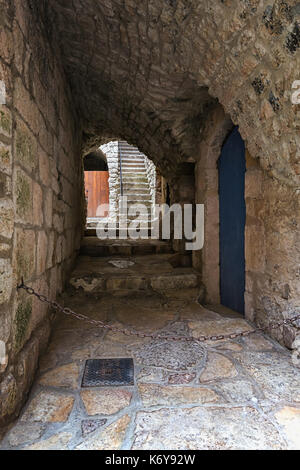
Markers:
(128, 332)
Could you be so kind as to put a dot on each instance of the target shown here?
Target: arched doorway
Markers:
(232, 167)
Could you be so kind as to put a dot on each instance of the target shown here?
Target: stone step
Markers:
(130, 177)
(130, 171)
(133, 199)
(132, 159)
(97, 275)
(136, 192)
(134, 164)
(92, 231)
(93, 246)
(134, 180)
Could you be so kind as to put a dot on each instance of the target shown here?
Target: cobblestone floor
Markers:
(241, 394)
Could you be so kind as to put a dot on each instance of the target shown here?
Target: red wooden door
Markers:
(96, 192)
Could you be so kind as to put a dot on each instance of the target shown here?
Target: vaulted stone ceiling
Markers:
(148, 71)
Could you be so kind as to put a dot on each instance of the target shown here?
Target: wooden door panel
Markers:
(97, 192)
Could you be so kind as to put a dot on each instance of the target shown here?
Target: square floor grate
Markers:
(102, 372)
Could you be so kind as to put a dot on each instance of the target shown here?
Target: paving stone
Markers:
(146, 321)
(48, 361)
(151, 374)
(57, 442)
(258, 342)
(110, 438)
(64, 376)
(193, 311)
(218, 327)
(172, 395)
(49, 407)
(176, 355)
(274, 373)
(217, 367)
(22, 433)
(201, 428)
(289, 418)
(90, 425)
(181, 378)
(106, 401)
(238, 391)
(230, 346)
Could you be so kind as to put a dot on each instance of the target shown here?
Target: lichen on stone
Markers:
(23, 195)
(22, 318)
(5, 122)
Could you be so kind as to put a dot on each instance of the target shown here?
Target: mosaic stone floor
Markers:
(241, 394)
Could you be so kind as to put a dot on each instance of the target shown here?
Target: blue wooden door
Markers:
(232, 167)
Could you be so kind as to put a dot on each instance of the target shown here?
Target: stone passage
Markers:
(239, 394)
(138, 180)
(242, 394)
(171, 78)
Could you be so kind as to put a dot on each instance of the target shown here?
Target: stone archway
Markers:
(151, 73)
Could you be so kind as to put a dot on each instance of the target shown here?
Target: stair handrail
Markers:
(121, 176)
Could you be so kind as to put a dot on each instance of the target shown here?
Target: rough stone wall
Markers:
(40, 200)
(111, 151)
(151, 175)
(153, 68)
(272, 245)
(272, 242)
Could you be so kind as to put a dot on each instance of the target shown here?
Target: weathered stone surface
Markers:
(90, 425)
(217, 367)
(49, 407)
(230, 346)
(289, 418)
(23, 433)
(258, 342)
(57, 442)
(177, 379)
(63, 376)
(151, 374)
(238, 391)
(5, 280)
(176, 355)
(106, 401)
(218, 327)
(109, 439)
(202, 428)
(7, 218)
(275, 374)
(172, 395)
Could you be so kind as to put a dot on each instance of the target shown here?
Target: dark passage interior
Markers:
(172, 80)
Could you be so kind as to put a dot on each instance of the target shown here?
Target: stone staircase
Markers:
(122, 266)
(134, 178)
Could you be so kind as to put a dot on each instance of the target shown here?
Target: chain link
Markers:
(125, 331)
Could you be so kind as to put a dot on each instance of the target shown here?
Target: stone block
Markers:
(5, 121)
(23, 196)
(7, 218)
(26, 147)
(255, 252)
(37, 205)
(44, 169)
(48, 207)
(5, 280)
(22, 317)
(5, 158)
(253, 183)
(24, 253)
(42, 251)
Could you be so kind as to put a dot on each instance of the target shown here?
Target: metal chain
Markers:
(100, 324)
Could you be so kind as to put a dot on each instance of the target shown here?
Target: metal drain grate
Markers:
(102, 372)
